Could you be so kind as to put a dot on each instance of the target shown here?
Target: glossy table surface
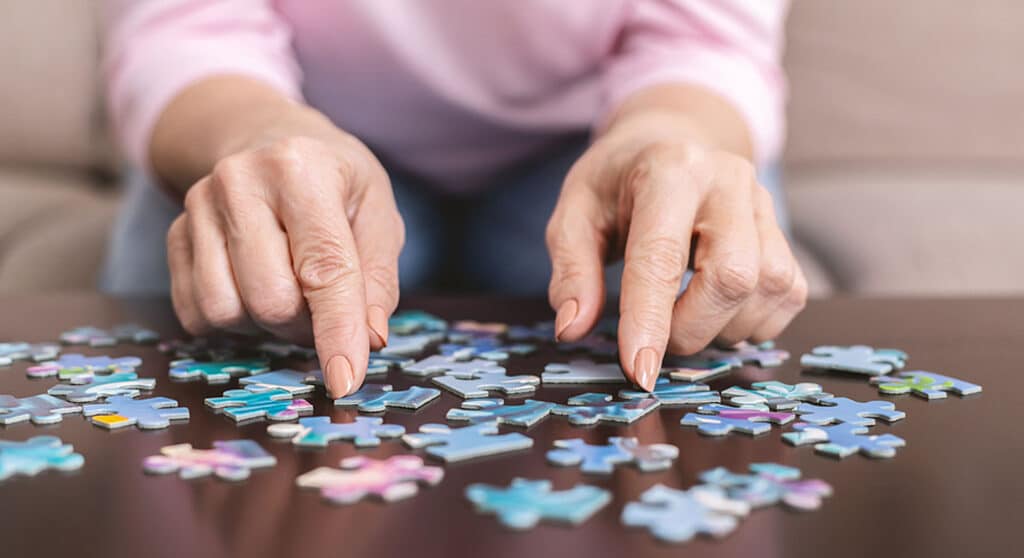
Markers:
(954, 490)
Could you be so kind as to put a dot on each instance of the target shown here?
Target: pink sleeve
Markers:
(155, 49)
(731, 47)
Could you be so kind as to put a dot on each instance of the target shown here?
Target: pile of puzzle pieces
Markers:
(468, 359)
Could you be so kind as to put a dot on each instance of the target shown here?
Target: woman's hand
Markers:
(654, 191)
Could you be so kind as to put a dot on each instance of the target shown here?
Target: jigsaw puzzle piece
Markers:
(390, 479)
(589, 408)
(201, 349)
(486, 410)
(844, 409)
(479, 384)
(118, 383)
(40, 409)
(148, 414)
(380, 363)
(439, 364)
(719, 420)
(407, 322)
(295, 383)
(231, 460)
(320, 431)
(602, 459)
(928, 385)
(675, 394)
(676, 516)
(466, 330)
(488, 348)
(540, 331)
(843, 440)
(31, 457)
(217, 372)
(410, 345)
(583, 371)
(713, 361)
(36, 352)
(377, 398)
(97, 337)
(526, 502)
(273, 404)
(468, 442)
(594, 344)
(768, 485)
(774, 395)
(80, 368)
(860, 359)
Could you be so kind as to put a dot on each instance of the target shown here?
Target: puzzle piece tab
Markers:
(676, 516)
(377, 398)
(770, 484)
(843, 440)
(40, 409)
(675, 394)
(589, 408)
(526, 502)
(467, 442)
(219, 371)
(479, 384)
(231, 460)
(492, 409)
(320, 431)
(80, 368)
(390, 479)
(719, 420)
(295, 383)
(31, 457)
(602, 459)
(120, 411)
(439, 364)
(774, 395)
(583, 371)
(844, 409)
(928, 385)
(860, 359)
(273, 404)
(36, 352)
(118, 383)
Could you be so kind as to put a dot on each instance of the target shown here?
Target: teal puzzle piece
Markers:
(31, 457)
(217, 372)
(589, 408)
(272, 404)
(526, 502)
(376, 398)
(320, 431)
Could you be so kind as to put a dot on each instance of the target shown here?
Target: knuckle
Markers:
(276, 309)
(734, 169)
(230, 171)
(220, 313)
(797, 299)
(327, 265)
(685, 343)
(733, 280)
(777, 277)
(658, 261)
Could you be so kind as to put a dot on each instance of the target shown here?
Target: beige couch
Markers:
(904, 164)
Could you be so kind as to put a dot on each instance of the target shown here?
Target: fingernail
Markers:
(377, 321)
(565, 316)
(339, 370)
(646, 366)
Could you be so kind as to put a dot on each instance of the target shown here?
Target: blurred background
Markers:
(904, 167)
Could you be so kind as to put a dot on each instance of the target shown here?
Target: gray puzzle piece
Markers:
(486, 410)
(376, 398)
(844, 409)
(674, 394)
(602, 459)
(296, 383)
(774, 395)
(583, 371)
(410, 345)
(843, 440)
(589, 408)
(320, 431)
(37, 352)
(676, 516)
(120, 411)
(479, 384)
(467, 442)
(40, 409)
(118, 383)
(719, 420)
(860, 359)
(438, 364)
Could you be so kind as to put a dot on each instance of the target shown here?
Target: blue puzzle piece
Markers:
(540, 331)
(928, 385)
(467, 442)
(525, 502)
(674, 394)
(843, 440)
(120, 411)
(774, 395)
(860, 359)
(410, 345)
(770, 484)
(719, 420)
(583, 371)
(488, 348)
(412, 321)
(40, 409)
(490, 409)
(589, 408)
(80, 368)
(118, 383)
(37, 352)
(320, 431)
(96, 337)
(296, 383)
(376, 398)
(602, 459)
(479, 384)
(676, 516)
(34, 455)
(273, 404)
(844, 409)
(440, 364)
(380, 363)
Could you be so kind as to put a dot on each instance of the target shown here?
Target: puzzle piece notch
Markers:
(377, 398)
(843, 440)
(467, 442)
(391, 479)
(407, 322)
(860, 359)
(589, 408)
(921, 383)
(770, 484)
(31, 457)
(217, 372)
(844, 409)
(40, 409)
(296, 383)
(674, 394)
(273, 404)
(148, 414)
(119, 383)
(320, 431)
(439, 364)
(774, 395)
(602, 459)
(676, 516)
(35, 352)
(527, 414)
(230, 460)
(526, 502)
(719, 420)
(583, 371)
(480, 384)
(79, 368)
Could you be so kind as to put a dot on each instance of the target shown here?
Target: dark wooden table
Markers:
(955, 490)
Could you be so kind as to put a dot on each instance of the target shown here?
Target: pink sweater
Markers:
(450, 89)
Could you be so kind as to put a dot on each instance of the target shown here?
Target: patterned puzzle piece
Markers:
(97, 337)
(843, 440)
(479, 384)
(410, 345)
(80, 368)
(273, 404)
(860, 359)
(774, 395)
(464, 330)
(389, 479)
(526, 502)
(120, 411)
(380, 364)
(844, 409)
(440, 364)
(118, 383)
(589, 408)
(320, 431)
(217, 372)
(714, 361)
(583, 371)
(231, 460)
(34, 455)
(770, 484)
(467, 442)
(377, 398)
(412, 321)
(719, 420)
(594, 343)
(602, 459)
(486, 410)
(674, 394)
(488, 348)
(928, 385)
(676, 516)
(540, 331)
(40, 409)
(295, 383)
(281, 349)
(37, 352)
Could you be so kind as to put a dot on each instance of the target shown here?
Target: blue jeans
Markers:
(488, 241)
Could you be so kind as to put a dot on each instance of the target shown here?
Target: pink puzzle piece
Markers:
(390, 479)
(230, 460)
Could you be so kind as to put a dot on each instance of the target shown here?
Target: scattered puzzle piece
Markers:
(860, 359)
(714, 361)
(80, 368)
(217, 372)
(273, 404)
(844, 409)
(770, 484)
(676, 516)
(295, 383)
(488, 348)
(390, 479)
(200, 349)
(96, 337)
(231, 460)
(774, 395)
(120, 411)
(928, 385)
(540, 331)
(602, 459)
(843, 440)
(479, 384)
(582, 371)
(525, 502)
(380, 364)
(467, 442)
(674, 394)
(486, 410)
(34, 455)
(376, 398)
(589, 408)
(439, 364)
(118, 383)
(412, 321)
(36, 352)
(594, 343)
(410, 345)
(40, 409)
(320, 431)
(464, 330)
(719, 420)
